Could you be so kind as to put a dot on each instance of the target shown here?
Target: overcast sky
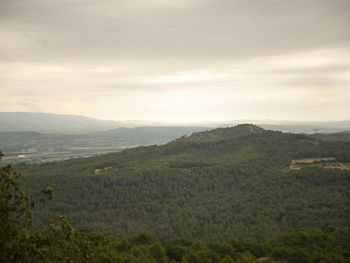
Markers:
(177, 60)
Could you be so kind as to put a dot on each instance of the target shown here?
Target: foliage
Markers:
(209, 186)
(21, 240)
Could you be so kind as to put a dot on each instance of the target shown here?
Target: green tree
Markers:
(15, 214)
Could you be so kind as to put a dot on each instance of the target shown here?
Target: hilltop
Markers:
(222, 133)
(210, 185)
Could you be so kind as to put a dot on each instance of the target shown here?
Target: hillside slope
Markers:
(339, 136)
(211, 185)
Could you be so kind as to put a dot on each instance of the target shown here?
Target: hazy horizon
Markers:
(184, 61)
(212, 122)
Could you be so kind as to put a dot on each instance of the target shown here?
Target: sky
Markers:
(177, 60)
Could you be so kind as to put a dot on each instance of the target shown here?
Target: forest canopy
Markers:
(210, 186)
(22, 240)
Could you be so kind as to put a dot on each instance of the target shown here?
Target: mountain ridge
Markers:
(221, 133)
(60, 123)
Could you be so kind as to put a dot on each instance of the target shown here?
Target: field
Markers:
(54, 154)
(325, 163)
(34, 147)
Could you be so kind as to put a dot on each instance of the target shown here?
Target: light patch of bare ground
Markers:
(324, 162)
(108, 168)
(341, 166)
(262, 259)
(312, 160)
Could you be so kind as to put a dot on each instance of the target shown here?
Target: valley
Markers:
(35, 147)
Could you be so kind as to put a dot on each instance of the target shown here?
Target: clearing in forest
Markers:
(323, 162)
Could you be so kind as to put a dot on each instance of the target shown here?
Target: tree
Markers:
(16, 215)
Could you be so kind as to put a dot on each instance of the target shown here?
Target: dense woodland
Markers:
(211, 186)
(22, 240)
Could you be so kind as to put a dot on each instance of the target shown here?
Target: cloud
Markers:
(20, 104)
(151, 30)
(30, 105)
(193, 60)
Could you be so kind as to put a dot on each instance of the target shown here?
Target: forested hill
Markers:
(224, 133)
(211, 185)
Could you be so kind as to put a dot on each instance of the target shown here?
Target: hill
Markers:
(23, 240)
(338, 136)
(211, 185)
(222, 133)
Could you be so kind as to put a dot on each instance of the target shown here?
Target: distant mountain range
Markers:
(52, 123)
(57, 123)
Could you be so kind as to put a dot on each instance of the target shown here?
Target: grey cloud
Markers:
(320, 69)
(144, 54)
(29, 105)
(206, 29)
(321, 82)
